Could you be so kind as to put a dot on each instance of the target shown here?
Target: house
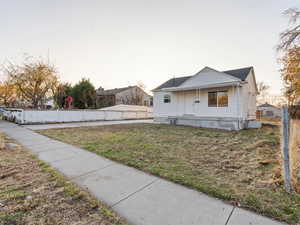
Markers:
(131, 95)
(210, 98)
(268, 110)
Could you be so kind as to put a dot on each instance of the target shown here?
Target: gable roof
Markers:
(112, 91)
(241, 74)
(173, 82)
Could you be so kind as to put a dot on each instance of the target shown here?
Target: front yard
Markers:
(240, 167)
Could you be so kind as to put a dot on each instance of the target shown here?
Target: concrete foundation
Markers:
(225, 123)
(254, 124)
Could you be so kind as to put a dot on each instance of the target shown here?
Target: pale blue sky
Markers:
(118, 43)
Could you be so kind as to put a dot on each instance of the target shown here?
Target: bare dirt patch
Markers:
(33, 193)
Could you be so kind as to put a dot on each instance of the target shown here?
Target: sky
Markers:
(119, 43)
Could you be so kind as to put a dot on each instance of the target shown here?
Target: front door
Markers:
(189, 102)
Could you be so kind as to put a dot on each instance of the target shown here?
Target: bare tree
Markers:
(291, 37)
(141, 85)
(262, 86)
(35, 80)
(263, 91)
(134, 96)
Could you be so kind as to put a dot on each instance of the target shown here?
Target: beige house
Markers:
(210, 98)
(131, 95)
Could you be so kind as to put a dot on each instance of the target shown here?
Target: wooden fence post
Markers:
(285, 149)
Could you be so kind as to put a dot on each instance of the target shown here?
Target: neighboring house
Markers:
(268, 110)
(48, 104)
(210, 98)
(131, 95)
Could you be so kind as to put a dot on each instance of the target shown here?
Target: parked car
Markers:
(2, 110)
(12, 114)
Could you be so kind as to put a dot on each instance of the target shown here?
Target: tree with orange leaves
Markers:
(8, 93)
(290, 61)
(290, 73)
(35, 80)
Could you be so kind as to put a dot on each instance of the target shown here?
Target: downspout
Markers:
(238, 105)
(240, 109)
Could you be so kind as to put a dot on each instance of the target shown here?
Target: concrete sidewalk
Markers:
(140, 198)
(83, 124)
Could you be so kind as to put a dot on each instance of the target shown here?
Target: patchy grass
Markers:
(240, 167)
(33, 193)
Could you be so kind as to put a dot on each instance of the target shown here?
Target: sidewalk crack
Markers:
(128, 196)
(92, 171)
(230, 215)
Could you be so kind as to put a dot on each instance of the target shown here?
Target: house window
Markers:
(222, 99)
(218, 99)
(269, 113)
(212, 99)
(167, 98)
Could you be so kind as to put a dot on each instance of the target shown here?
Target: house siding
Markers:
(265, 111)
(249, 98)
(134, 94)
(183, 103)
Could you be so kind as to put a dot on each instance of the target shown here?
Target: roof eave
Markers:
(216, 85)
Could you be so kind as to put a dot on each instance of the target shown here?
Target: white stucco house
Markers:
(268, 110)
(210, 98)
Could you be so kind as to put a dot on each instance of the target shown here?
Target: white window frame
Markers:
(217, 99)
(167, 98)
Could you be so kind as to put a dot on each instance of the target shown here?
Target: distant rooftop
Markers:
(101, 91)
(267, 105)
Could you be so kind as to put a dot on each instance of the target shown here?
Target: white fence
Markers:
(21, 116)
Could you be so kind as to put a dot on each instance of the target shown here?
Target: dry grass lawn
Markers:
(240, 167)
(33, 193)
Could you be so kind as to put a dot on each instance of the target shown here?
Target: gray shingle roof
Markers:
(267, 105)
(173, 82)
(241, 74)
(112, 91)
